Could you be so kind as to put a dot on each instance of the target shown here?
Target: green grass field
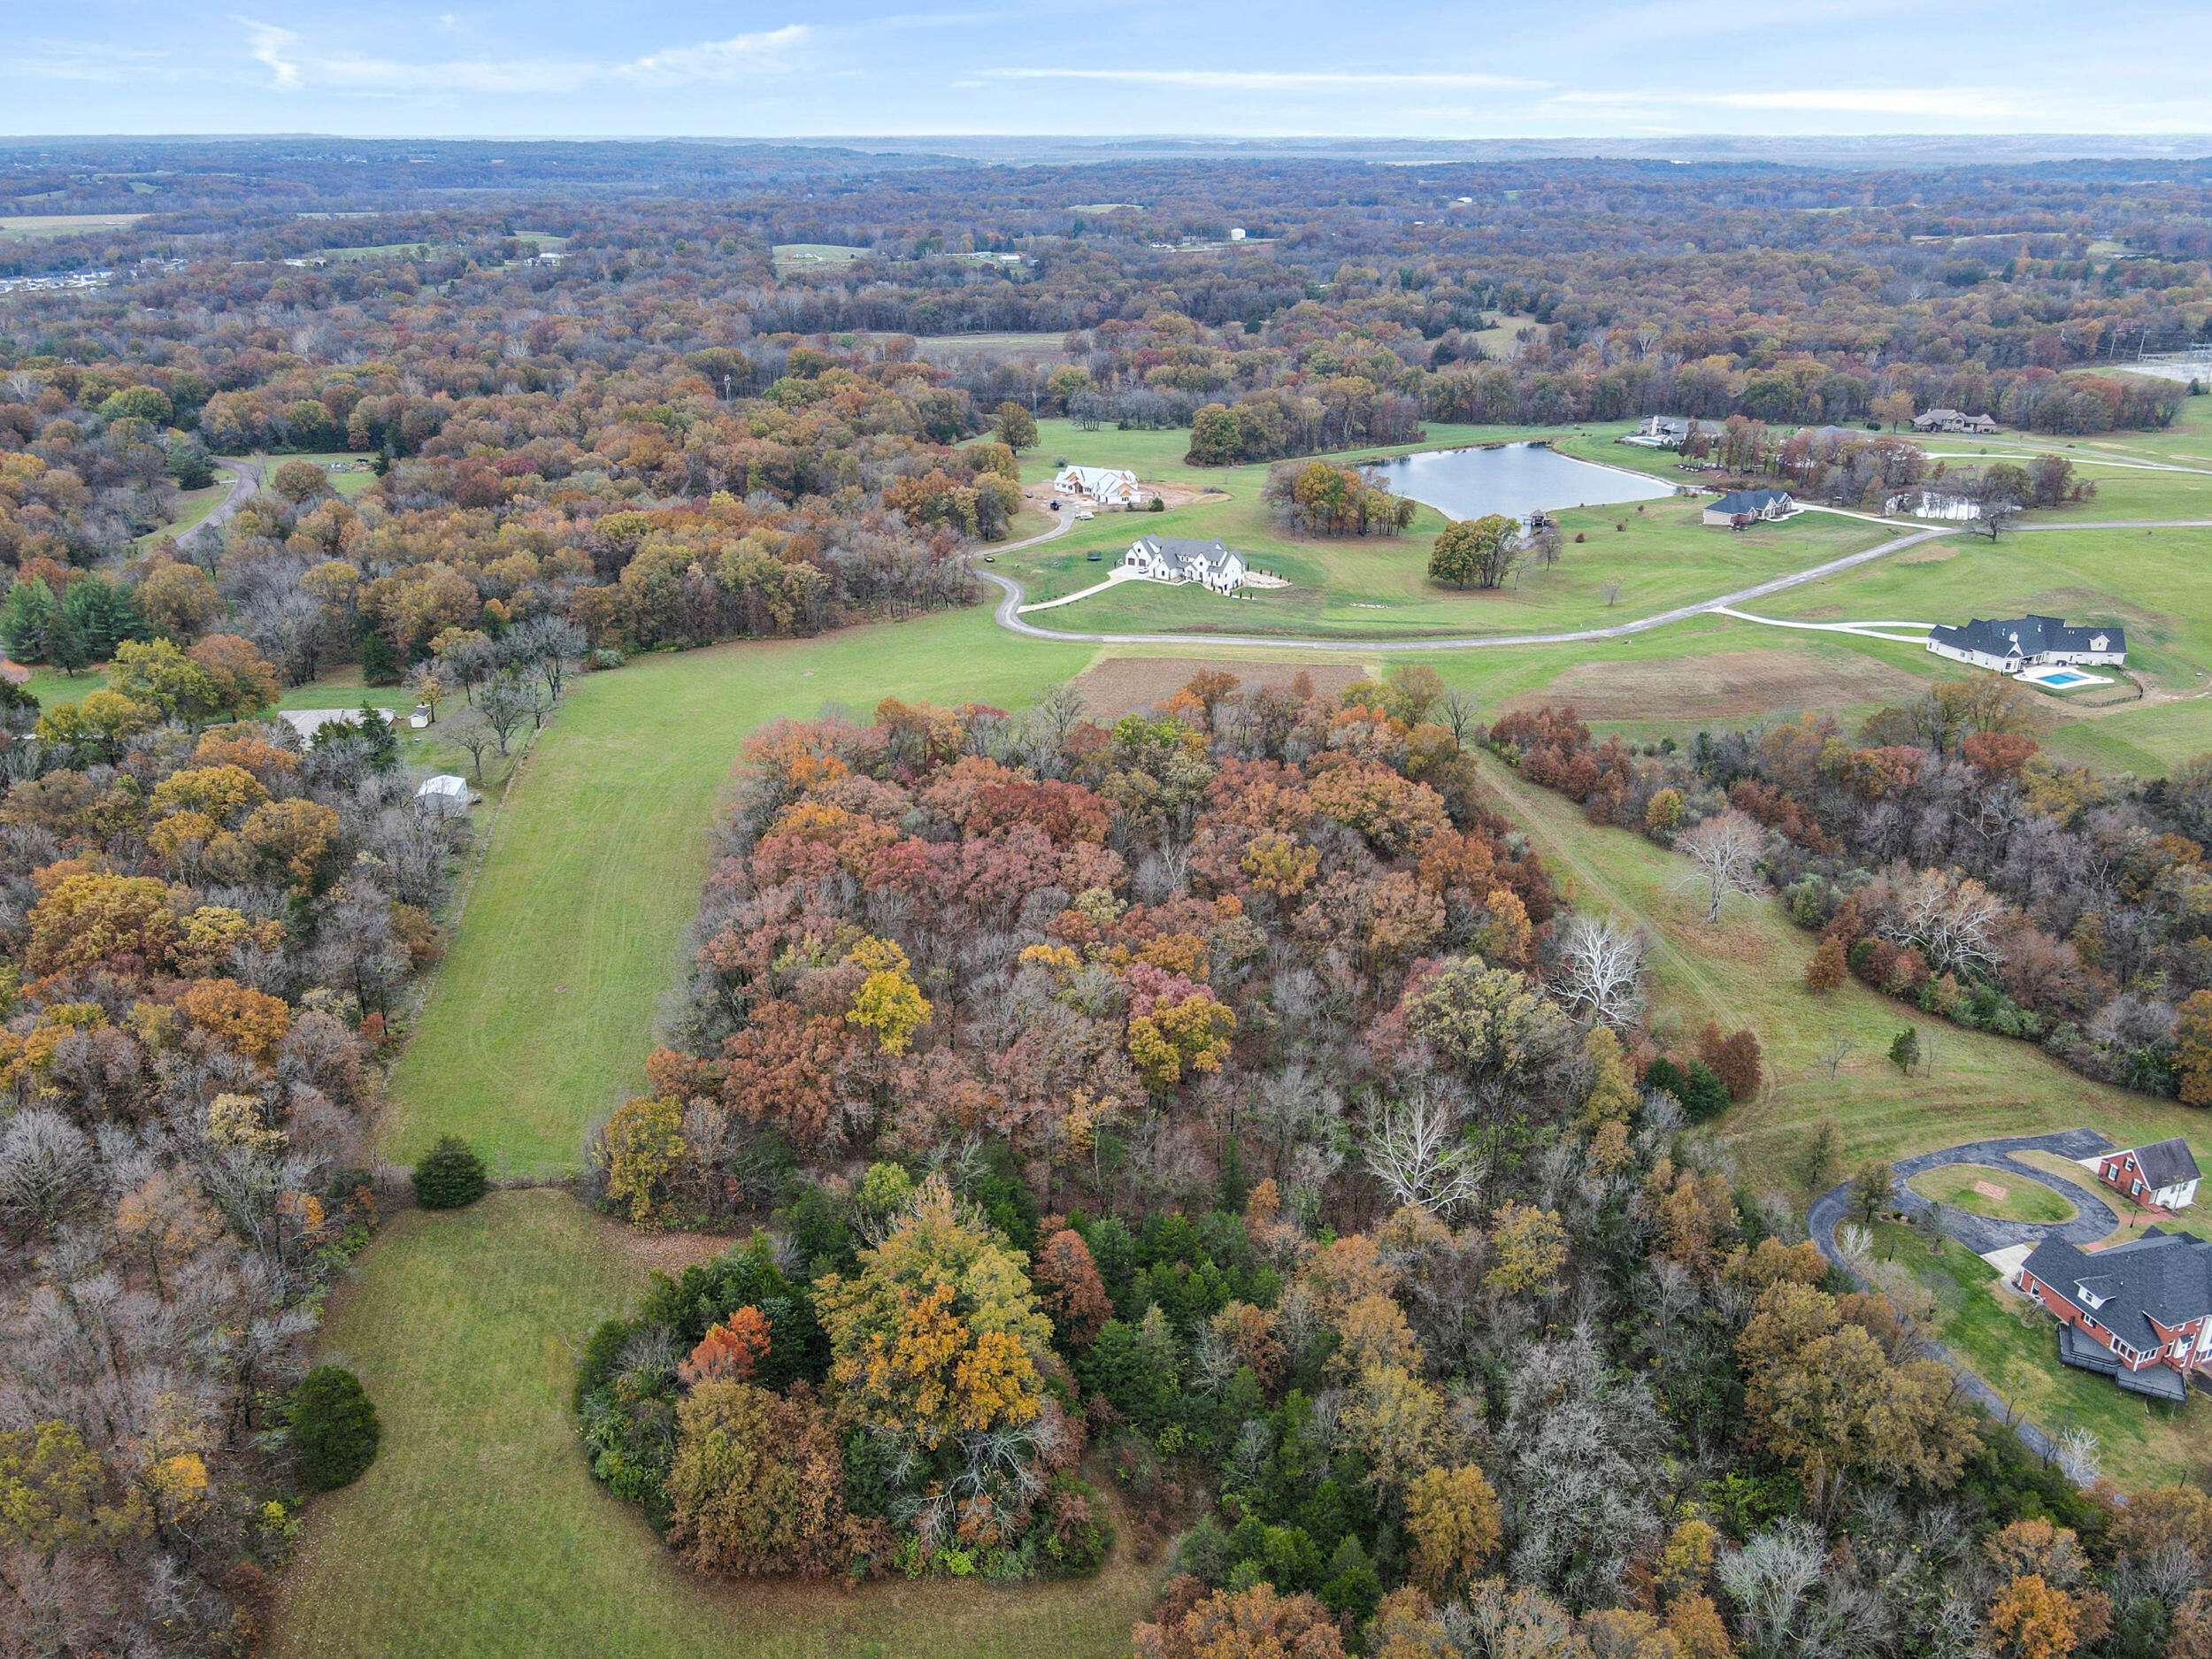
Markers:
(808, 253)
(2013, 1346)
(47, 227)
(1657, 552)
(539, 1018)
(1749, 971)
(348, 483)
(478, 1531)
(193, 505)
(1958, 1184)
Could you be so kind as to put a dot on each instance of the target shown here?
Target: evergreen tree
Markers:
(380, 662)
(335, 1429)
(379, 740)
(65, 645)
(450, 1176)
(26, 616)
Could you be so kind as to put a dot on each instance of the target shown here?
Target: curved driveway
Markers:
(244, 481)
(1011, 600)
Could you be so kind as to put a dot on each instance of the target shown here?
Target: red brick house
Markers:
(2139, 1313)
(2163, 1173)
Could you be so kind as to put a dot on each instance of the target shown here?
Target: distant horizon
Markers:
(1420, 69)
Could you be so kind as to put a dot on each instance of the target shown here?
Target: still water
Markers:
(1514, 478)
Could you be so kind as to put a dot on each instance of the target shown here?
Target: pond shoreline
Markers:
(1652, 488)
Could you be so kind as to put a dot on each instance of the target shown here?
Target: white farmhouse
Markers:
(2028, 642)
(1110, 485)
(1183, 559)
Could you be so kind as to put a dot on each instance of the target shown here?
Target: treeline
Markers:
(1945, 859)
(1216, 1101)
(206, 928)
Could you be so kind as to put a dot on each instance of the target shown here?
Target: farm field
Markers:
(806, 253)
(1013, 346)
(480, 1531)
(47, 227)
(539, 1018)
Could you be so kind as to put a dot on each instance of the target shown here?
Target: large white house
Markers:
(1110, 485)
(1160, 558)
(2030, 641)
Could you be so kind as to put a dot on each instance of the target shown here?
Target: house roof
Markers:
(1181, 549)
(2166, 1163)
(1749, 500)
(1089, 475)
(2033, 634)
(445, 783)
(2163, 1276)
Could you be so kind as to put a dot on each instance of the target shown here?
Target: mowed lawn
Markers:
(1749, 971)
(478, 1534)
(541, 1015)
(1617, 562)
(2013, 1347)
(1971, 1186)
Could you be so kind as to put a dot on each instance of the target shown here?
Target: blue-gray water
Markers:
(1514, 478)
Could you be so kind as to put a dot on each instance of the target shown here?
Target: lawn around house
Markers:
(1658, 552)
(478, 1530)
(2000, 1195)
(2013, 1347)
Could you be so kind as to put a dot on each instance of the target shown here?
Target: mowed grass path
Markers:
(479, 1535)
(1749, 971)
(541, 1015)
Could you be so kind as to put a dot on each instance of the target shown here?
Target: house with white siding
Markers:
(2162, 1174)
(1177, 559)
(2010, 645)
(1109, 486)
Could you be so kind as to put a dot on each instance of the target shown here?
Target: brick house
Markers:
(2163, 1173)
(2139, 1313)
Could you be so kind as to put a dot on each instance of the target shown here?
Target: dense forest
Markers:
(1212, 1134)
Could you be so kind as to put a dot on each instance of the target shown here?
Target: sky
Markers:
(1412, 68)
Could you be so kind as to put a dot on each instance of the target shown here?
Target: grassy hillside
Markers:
(479, 1535)
(540, 1017)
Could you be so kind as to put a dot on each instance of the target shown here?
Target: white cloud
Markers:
(1276, 79)
(766, 52)
(294, 65)
(1937, 104)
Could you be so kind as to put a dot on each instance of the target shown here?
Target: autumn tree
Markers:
(1453, 1527)
(2032, 1620)
(1070, 1290)
(758, 1483)
(1259, 1623)
(1477, 552)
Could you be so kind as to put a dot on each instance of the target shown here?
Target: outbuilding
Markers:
(444, 795)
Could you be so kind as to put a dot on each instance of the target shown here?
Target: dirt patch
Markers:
(1931, 552)
(1127, 684)
(1727, 684)
(1990, 1189)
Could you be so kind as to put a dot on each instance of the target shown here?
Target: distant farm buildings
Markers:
(2012, 645)
(1109, 486)
(1952, 420)
(1183, 559)
(1661, 432)
(1740, 508)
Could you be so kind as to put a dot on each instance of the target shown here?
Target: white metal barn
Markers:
(443, 795)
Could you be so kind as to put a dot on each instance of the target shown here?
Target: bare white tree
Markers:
(1834, 1052)
(2078, 1458)
(1601, 968)
(1952, 919)
(1414, 1149)
(1725, 850)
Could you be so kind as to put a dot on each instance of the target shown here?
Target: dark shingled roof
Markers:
(2163, 1276)
(2036, 635)
(1177, 549)
(2166, 1163)
(1748, 500)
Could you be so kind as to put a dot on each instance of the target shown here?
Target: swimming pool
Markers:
(2055, 677)
(2063, 677)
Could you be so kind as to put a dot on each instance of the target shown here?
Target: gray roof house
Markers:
(1749, 504)
(2140, 1312)
(1172, 558)
(2010, 644)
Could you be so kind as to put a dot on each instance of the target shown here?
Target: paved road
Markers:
(1829, 1209)
(245, 482)
(1011, 595)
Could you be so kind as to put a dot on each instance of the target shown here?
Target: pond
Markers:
(1514, 478)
